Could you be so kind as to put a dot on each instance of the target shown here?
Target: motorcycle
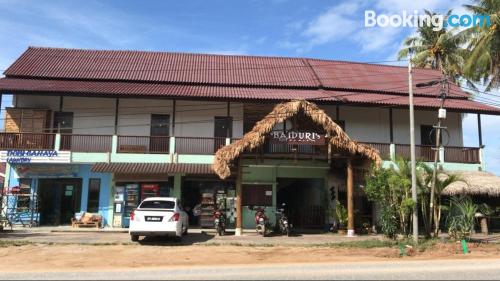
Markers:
(261, 222)
(283, 225)
(220, 222)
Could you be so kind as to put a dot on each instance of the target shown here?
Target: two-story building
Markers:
(97, 131)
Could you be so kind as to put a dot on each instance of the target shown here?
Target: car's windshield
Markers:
(157, 204)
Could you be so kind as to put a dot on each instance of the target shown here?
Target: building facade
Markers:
(98, 131)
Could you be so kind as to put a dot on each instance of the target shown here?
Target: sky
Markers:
(297, 28)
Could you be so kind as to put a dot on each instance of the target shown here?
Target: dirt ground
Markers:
(74, 257)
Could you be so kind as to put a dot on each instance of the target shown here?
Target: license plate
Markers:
(158, 219)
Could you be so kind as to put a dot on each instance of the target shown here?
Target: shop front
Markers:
(51, 194)
(295, 155)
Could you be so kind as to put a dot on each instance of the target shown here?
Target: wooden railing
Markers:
(27, 141)
(422, 152)
(198, 145)
(458, 154)
(86, 143)
(208, 146)
(143, 144)
(383, 148)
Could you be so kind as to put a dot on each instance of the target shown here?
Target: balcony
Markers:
(141, 145)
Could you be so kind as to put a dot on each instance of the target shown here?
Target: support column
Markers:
(117, 106)
(391, 127)
(350, 199)
(239, 211)
(177, 185)
(479, 130)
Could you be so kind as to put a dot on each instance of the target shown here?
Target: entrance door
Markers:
(223, 126)
(59, 200)
(305, 201)
(160, 131)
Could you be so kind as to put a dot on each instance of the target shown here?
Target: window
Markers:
(63, 122)
(157, 204)
(341, 123)
(427, 135)
(257, 195)
(160, 125)
(93, 197)
(223, 126)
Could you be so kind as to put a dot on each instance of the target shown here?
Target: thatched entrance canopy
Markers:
(281, 112)
(474, 183)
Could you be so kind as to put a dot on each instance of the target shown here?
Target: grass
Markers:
(14, 243)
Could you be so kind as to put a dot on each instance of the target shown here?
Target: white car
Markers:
(158, 216)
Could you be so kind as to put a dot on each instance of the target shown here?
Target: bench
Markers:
(87, 220)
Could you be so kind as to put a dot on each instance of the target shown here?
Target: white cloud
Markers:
(334, 24)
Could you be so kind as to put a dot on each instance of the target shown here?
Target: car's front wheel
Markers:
(134, 238)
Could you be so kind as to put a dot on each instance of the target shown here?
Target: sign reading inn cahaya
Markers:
(35, 156)
(295, 137)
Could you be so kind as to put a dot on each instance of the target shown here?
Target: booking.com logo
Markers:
(437, 22)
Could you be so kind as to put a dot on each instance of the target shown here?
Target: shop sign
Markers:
(34, 156)
(46, 171)
(294, 137)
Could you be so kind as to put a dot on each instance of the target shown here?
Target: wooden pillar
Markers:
(239, 198)
(350, 199)
(479, 130)
(391, 126)
(174, 109)
(117, 105)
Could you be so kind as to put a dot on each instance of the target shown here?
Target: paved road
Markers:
(466, 269)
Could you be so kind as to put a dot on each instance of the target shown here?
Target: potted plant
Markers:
(341, 216)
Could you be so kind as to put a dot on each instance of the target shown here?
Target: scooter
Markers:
(283, 225)
(262, 225)
(220, 222)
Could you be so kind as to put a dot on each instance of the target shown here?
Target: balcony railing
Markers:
(143, 144)
(456, 154)
(40, 141)
(422, 152)
(383, 148)
(86, 143)
(198, 145)
(208, 146)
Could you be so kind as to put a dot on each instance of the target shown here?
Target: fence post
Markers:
(57, 142)
(171, 147)
(228, 141)
(441, 154)
(392, 151)
(114, 144)
(482, 163)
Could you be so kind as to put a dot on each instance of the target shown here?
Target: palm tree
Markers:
(483, 62)
(439, 49)
(443, 180)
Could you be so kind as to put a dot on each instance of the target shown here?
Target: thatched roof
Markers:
(281, 112)
(474, 183)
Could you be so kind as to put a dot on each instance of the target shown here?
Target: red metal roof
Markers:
(152, 168)
(206, 69)
(162, 67)
(112, 89)
(140, 73)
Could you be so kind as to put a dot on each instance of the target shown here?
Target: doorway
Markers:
(223, 126)
(305, 201)
(59, 200)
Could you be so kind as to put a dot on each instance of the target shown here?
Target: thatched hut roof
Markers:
(281, 112)
(474, 183)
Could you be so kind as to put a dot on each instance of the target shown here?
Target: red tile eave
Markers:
(141, 90)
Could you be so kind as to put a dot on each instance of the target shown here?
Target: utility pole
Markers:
(412, 154)
(438, 127)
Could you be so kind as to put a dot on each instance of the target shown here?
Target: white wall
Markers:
(96, 115)
(371, 124)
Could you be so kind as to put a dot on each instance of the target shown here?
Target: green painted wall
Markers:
(268, 173)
